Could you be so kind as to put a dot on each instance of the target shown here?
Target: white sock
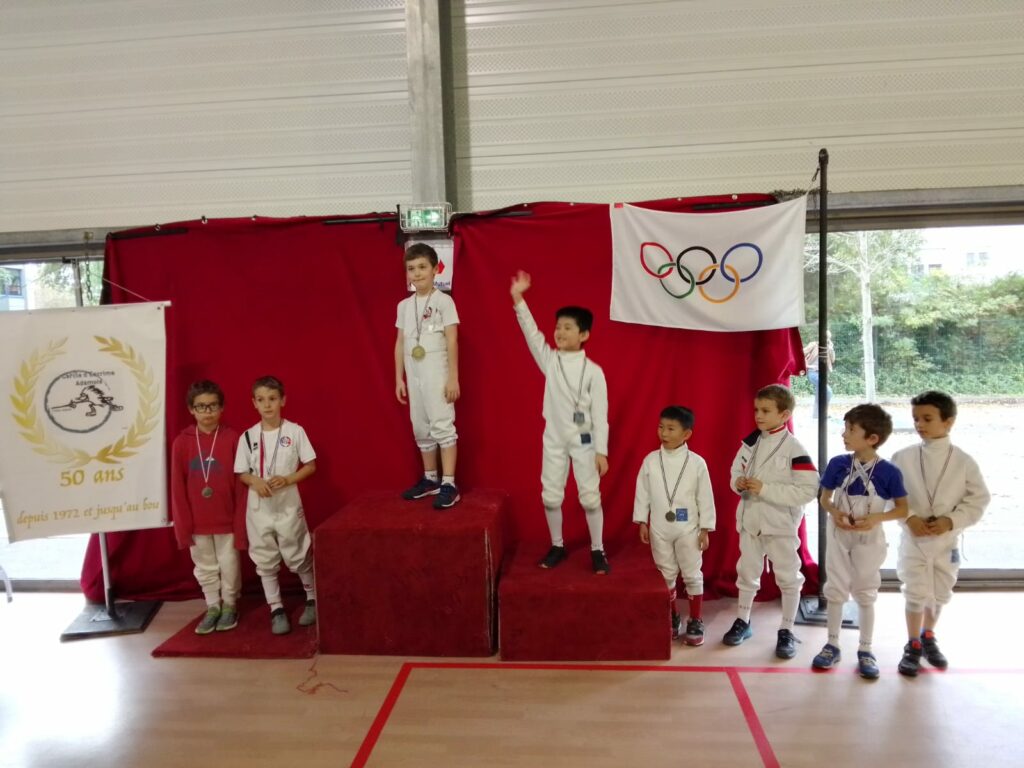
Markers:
(790, 605)
(448, 480)
(867, 626)
(835, 621)
(595, 524)
(430, 474)
(272, 590)
(554, 516)
(744, 605)
(307, 584)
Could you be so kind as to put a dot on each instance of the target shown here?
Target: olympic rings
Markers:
(730, 273)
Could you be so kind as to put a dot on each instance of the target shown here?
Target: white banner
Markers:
(82, 408)
(729, 271)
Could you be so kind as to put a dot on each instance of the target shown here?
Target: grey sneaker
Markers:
(308, 617)
(209, 622)
(228, 618)
(279, 623)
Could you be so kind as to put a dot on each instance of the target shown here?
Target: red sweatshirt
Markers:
(224, 510)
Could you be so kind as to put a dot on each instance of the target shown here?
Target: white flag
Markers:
(82, 407)
(728, 271)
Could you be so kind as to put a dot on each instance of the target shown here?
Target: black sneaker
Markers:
(554, 556)
(930, 646)
(677, 625)
(600, 562)
(694, 632)
(738, 632)
(425, 487)
(910, 664)
(785, 646)
(447, 496)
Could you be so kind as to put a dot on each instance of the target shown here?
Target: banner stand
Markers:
(113, 618)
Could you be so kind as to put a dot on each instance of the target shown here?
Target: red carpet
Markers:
(251, 639)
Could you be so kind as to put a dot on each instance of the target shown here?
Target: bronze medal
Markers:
(207, 491)
(670, 516)
(418, 352)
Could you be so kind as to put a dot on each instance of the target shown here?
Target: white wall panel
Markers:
(603, 100)
(137, 111)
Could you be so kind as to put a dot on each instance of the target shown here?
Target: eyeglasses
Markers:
(206, 407)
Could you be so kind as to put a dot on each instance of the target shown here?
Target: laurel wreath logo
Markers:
(126, 446)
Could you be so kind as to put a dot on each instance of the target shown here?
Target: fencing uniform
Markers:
(276, 526)
(768, 522)
(928, 565)
(674, 544)
(433, 417)
(572, 384)
(855, 558)
(210, 525)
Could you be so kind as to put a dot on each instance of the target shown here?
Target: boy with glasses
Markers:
(208, 505)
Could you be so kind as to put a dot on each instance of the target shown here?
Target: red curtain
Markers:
(313, 302)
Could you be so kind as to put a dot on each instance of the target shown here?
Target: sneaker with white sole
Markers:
(425, 487)
(910, 664)
(827, 658)
(930, 646)
(694, 632)
(279, 624)
(447, 496)
(209, 621)
(228, 618)
(867, 665)
(308, 617)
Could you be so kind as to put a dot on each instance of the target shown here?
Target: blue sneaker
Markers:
(447, 496)
(867, 665)
(425, 487)
(740, 631)
(828, 657)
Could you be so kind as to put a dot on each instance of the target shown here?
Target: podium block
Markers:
(570, 614)
(399, 578)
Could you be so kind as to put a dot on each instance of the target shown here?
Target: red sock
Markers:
(695, 604)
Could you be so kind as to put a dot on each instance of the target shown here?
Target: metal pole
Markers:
(823, 364)
(108, 591)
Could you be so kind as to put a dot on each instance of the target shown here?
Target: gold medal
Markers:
(418, 352)
(207, 492)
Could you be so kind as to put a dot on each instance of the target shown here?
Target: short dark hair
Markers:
(678, 413)
(872, 419)
(421, 250)
(270, 382)
(780, 395)
(204, 387)
(945, 403)
(582, 316)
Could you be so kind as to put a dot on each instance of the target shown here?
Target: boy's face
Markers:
(767, 415)
(206, 410)
(929, 423)
(269, 403)
(568, 336)
(855, 439)
(672, 434)
(420, 273)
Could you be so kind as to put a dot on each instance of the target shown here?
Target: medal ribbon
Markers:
(205, 464)
(865, 477)
(273, 457)
(579, 389)
(421, 317)
(932, 493)
(753, 456)
(664, 479)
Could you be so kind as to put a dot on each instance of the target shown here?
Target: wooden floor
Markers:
(107, 702)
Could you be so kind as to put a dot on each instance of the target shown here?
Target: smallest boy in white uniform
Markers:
(273, 457)
(427, 355)
(947, 494)
(856, 490)
(575, 421)
(675, 510)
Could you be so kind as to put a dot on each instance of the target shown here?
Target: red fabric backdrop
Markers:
(314, 303)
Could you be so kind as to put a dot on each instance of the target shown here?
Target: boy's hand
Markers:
(918, 526)
(277, 482)
(262, 487)
(452, 391)
(520, 285)
(401, 393)
(602, 464)
(704, 540)
(752, 484)
(867, 522)
(939, 525)
(645, 533)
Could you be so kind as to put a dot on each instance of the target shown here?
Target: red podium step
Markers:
(400, 578)
(570, 614)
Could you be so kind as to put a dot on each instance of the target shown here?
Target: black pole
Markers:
(823, 363)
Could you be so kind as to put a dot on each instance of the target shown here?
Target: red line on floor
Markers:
(764, 747)
(382, 717)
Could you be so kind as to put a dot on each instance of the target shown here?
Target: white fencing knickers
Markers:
(928, 567)
(432, 417)
(677, 550)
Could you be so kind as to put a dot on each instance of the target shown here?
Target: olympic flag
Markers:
(728, 271)
(82, 404)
